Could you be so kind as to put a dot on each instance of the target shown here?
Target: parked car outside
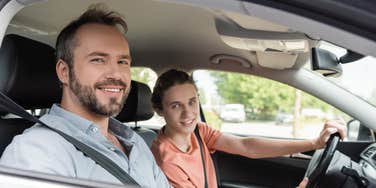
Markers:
(284, 118)
(233, 113)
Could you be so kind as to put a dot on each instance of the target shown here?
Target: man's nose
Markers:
(113, 71)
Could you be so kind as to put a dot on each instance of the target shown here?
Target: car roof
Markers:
(187, 34)
(191, 34)
(188, 38)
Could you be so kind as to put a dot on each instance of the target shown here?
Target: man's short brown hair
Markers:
(96, 13)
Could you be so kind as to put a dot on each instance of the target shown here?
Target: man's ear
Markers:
(62, 71)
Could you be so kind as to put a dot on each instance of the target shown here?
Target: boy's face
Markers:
(180, 108)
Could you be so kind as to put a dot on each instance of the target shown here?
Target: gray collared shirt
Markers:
(41, 149)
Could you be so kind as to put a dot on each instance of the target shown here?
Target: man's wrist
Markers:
(314, 144)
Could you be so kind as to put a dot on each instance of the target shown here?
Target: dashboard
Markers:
(368, 163)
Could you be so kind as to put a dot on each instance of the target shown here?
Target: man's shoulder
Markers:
(39, 136)
(140, 143)
(38, 130)
(41, 149)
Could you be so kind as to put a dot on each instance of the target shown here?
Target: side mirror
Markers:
(353, 129)
(358, 132)
(325, 63)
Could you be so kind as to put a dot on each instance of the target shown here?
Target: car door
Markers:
(235, 171)
(217, 89)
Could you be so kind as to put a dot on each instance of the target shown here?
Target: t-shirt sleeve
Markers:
(209, 135)
(176, 176)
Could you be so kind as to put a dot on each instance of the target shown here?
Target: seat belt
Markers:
(202, 114)
(8, 105)
(202, 154)
(213, 156)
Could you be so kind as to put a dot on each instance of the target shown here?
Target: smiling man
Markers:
(93, 66)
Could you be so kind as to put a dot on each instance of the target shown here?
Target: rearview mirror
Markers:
(325, 63)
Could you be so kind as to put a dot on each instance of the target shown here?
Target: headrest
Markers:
(138, 106)
(27, 72)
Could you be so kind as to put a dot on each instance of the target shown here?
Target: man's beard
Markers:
(88, 99)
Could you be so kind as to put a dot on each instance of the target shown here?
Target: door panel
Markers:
(237, 171)
(234, 171)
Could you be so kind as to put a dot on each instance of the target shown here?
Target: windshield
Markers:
(357, 77)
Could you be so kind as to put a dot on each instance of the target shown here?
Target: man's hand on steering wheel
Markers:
(330, 127)
(333, 131)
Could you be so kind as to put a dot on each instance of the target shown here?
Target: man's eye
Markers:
(123, 62)
(97, 60)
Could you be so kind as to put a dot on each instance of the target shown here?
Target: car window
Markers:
(144, 75)
(249, 105)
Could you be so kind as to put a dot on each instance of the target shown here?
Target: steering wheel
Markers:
(320, 161)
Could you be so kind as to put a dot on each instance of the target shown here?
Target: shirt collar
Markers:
(79, 122)
(120, 129)
(85, 125)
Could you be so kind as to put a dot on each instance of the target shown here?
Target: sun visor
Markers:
(274, 49)
(276, 60)
(290, 46)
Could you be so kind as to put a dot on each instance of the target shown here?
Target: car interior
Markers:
(234, 36)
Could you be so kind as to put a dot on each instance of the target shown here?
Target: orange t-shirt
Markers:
(184, 169)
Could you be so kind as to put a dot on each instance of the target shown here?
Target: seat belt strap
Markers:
(8, 105)
(196, 131)
(213, 156)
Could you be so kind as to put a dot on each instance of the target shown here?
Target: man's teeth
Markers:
(111, 90)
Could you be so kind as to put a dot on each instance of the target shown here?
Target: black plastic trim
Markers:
(357, 17)
(3, 3)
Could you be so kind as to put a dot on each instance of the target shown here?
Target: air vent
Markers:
(369, 152)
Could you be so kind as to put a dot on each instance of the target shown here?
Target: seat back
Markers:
(138, 107)
(10, 128)
(27, 72)
(27, 76)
